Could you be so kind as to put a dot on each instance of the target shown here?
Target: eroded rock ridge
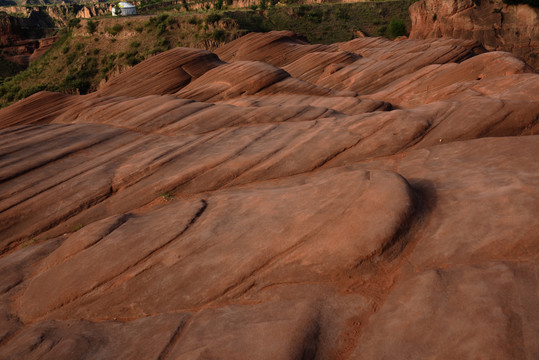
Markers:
(277, 200)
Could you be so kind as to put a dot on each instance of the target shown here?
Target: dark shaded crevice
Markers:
(122, 220)
(259, 162)
(15, 284)
(490, 127)
(423, 201)
(335, 155)
(340, 152)
(173, 339)
(253, 165)
(529, 127)
(38, 343)
(311, 342)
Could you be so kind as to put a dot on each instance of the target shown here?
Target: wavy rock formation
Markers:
(277, 200)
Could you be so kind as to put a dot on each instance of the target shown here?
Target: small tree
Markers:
(396, 28)
(91, 26)
(118, 10)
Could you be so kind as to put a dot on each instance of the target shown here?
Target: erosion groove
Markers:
(281, 201)
(173, 340)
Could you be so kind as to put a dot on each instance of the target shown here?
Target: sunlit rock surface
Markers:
(277, 200)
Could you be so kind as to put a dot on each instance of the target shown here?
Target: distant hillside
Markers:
(91, 51)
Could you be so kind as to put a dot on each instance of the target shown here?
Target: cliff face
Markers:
(512, 28)
(22, 38)
(10, 30)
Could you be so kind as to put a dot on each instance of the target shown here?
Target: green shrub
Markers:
(212, 18)
(91, 26)
(117, 27)
(396, 28)
(218, 4)
(139, 28)
(161, 18)
(73, 23)
(24, 93)
(315, 16)
(70, 58)
(161, 29)
(132, 61)
(218, 35)
(163, 43)
(79, 46)
(135, 44)
(302, 10)
(72, 83)
(65, 49)
(343, 15)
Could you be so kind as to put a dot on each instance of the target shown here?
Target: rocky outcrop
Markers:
(25, 51)
(512, 28)
(323, 204)
(22, 39)
(62, 12)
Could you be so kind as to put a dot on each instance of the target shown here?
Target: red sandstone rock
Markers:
(496, 25)
(162, 74)
(369, 199)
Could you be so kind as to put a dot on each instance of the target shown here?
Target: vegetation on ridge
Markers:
(91, 51)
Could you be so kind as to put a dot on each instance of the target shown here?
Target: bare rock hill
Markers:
(498, 26)
(372, 199)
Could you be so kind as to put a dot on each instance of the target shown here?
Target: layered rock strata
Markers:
(498, 26)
